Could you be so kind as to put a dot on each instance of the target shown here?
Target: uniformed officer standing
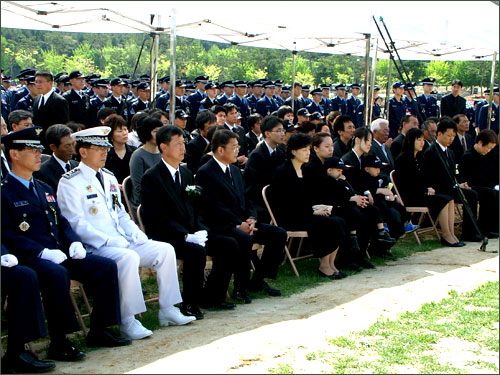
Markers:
(239, 100)
(141, 103)
(6, 98)
(483, 113)
(326, 102)
(306, 89)
(116, 100)
(34, 230)
(180, 100)
(315, 105)
(164, 89)
(411, 107)
(211, 94)
(397, 109)
(23, 90)
(277, 92)
(78, 100)
(376, 111)
(428, 103)
(101, 90)
(353, 103)
(26, 102)
(339, 102)
(228, 91)
(267, 105)
(256, 95)
(196, 98)
(89, 197)
(480, 104)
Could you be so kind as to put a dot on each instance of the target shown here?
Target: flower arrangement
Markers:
(193, 190)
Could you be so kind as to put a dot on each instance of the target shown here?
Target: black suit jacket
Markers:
(451, 106)
(241, 138)
(51, 171)
(224, 206)
(457, 148)
(353, 175)
(259, 171)
(479, 170)
(397, 145)
(435, 170)
(79, 107)
(54, 111)
(168, 213)
(377, 151)
(195, 149)
(251, 141)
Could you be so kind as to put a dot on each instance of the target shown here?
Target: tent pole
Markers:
(492, 82)
(172, 68)
(154, 65)
(389, 84)
(365, 91)
(294, 57)
(372, 82)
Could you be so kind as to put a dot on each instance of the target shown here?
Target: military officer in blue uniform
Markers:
(411, 108)
(195, 98)
(428, 102)
(480, 104)
(180, 99)
(34, 230)
(210, 97)
(164, 87)
(256, 95)
(228, 91)
(116, 99)
(26, 102)
(315, 105)
(23, 90)
(306, 100)
(339, 102)
(57, 80)
(397, 109)
(141, 103)
(78, 100)
(326, 102)
(353, 103)
(6, 97)
(277, 92)
(483, 113)
(88, 84)
(376, 110)
(267, 105)
(101, 93)
(239, 100)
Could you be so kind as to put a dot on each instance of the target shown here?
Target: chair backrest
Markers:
(394, 185)
(268, 206)
(139, 219)
(127, 186)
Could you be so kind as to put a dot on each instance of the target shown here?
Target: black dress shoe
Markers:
(25, 363)
(365, 263)
(105, 338)
(191, 310)
(448, 244)
(218, 305)
(64, 351)
(322, 274)
(354, 243)
(263, 286)
(241, 295)
(338, 275)
(383, 236)
(353, 266)
(491, 234)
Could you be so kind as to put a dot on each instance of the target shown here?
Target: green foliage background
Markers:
(114, 54)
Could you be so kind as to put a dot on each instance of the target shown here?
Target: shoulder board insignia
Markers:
(72, 173)
(107, 171)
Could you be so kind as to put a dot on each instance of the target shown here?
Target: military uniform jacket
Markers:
(339, 104)
(206, 103)
(360, 120)
(429, 106)
(31, 224)
(222, 99)
(243, 107)
(94, 214)
(180, 103)
(313, 107)
(79, 107)
(138, 106)
(25, 103)
(410, 107)
(162, 100)
(6, 97)
(397, 109)
(352, 110)
(266, 106)
(477, 110)
(17, 95)
(252, 102)
(195, 101)
(483, 117)
(305, 101)
(167, 211)
(278, 100)
(122, 108)
(95, 106)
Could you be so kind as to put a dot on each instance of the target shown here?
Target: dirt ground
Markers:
(255, 337)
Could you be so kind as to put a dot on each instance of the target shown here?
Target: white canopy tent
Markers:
(422, 30)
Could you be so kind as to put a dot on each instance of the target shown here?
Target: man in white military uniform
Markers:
(89, 197)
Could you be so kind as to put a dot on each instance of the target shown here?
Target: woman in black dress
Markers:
(118, 159)
(293, 207)
(410, 179)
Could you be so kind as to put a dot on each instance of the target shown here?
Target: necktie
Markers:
(463, 144)
(273, 157)
(228, 175)
(385, 152)
(33, 191)
(178, 180)
(67, 167)
(42, 102)
(99, 177)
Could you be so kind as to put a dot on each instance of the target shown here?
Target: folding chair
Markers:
(127, 186)
(78, 285)
(291, 235)
(422, 210)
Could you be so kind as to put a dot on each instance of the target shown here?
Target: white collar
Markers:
(61, 163)
(172, 170)
(47, 95)
(380, 144)
(230, 127)
(440, 145)
(221, 165)
(118, 98)
(271, 150)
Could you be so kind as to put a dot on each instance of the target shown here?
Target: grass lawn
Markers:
(456, 335)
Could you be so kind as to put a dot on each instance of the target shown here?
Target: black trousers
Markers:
(488, 208)
(471, 196)
(24, 307)
(100, 278)
(393, 213)
(273, 238)
(194, 257)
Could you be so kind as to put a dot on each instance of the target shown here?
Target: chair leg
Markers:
(287, 252)
(78, 314)
(300, 246)
(434, 226)
(417, 238)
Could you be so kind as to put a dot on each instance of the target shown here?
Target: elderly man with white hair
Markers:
(380, 129)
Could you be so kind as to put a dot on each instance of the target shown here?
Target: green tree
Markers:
(52, 61)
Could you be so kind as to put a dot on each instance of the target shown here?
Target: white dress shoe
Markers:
(174, 317)
(134, 330)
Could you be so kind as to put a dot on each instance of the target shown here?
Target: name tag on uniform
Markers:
(21, 203)
(91, 196)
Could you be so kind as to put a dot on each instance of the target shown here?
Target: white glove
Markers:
(496, 187)
(117, 241)
(77, 251)
(202, 236)
(138, 237)
(9, 260)
(54, 255)
(192, 238)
